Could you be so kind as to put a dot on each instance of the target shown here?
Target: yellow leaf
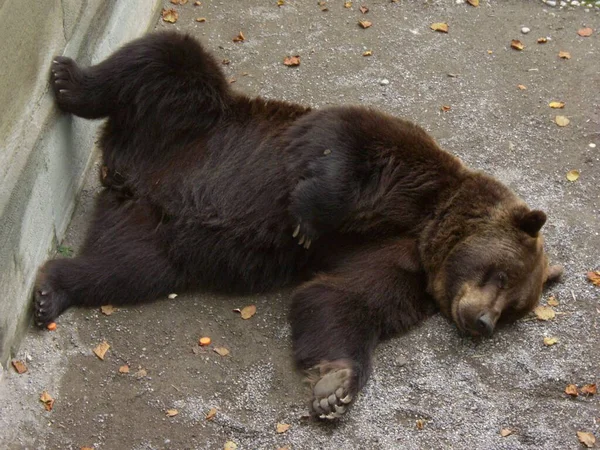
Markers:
(211, 414)
(446, 108)
(170, 15)
(564, 55)
(522, 87)
(439, 26)
(221, 351)
(171, 412)
(542, 40)
(198, 19)
(517, 45)
(571, 390)
(552, 301)
(586, 438)
(107, 310)
(347, 4)
(420, 424)
(368, 53)
(363, 9)
(280, 2)
(230, 445)
(101, 349)
(248, 311)
(556, 105)
(140, 374)
(573, 175)
(506, 432)
(283, 427)
(473, 2)
(365, 23)
(239, 38)
(562, 121)
(594, 277)
(124, 369)
(549, 341)
(544, 313)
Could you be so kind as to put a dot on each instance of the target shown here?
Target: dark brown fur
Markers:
(208, 188)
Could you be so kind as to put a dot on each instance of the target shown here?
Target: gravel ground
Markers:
(462, 390)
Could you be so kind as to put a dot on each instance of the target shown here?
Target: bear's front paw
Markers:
(66, 81)
(332, 385)
(49, 302)
(305, 233)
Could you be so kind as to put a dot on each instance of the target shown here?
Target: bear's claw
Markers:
(331, 389)
(304, 238)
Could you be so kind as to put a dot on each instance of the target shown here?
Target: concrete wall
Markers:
(44, 154)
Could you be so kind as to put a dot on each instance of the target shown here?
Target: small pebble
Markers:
(525, 30)
(401, 361)
(460, 2)
(574, 3)
(384, 82)
(592, 145)
(551, 3)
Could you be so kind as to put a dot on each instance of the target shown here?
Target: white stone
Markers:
(592, 145)
(574, 3)
(551, 3)
(525, 30)
(384, 82)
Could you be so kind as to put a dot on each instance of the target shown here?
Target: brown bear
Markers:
(207, 188)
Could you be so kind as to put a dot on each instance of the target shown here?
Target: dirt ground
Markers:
(464, 391)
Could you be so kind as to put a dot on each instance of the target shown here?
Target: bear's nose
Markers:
(485, 325)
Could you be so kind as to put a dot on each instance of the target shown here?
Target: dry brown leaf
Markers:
(549, 341)
(86, 448)
(506, 432)
(586, 438)
(198, 19)
(140, 373)
(348, 5)
(226, 62)
(522, 87)
(197, 3)
(124, 369)
(323, 6)
(363, 9)
(179, 2)
(101, 349)
(517, 45)
(589, 389)
(283, 427)
(571, 390)
(564, 55)
(19, 366)
(171, 412)
(170, 15)
(221, 351)
(280, 2)
(365, 23)
(107, 310)
(594, 277)
(573, 175)
(248, 311)
(204, 341)
(542, 40)
(552, 301)
(561, 121)
(446, 108)
(490, 52)
(585, 32)
(367, 53)
(420, 424)
(230, 445)
(439, 26)
(47, 400)
(556, 105)
(473, 2)
(239, 38)
(544, 313)
(292, 60)
(211, 414)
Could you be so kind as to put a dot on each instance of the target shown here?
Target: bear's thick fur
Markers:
(207, 188)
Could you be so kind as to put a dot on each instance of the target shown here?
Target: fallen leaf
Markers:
(200, 19)
(323, 6)
(19, 366)
(47, 400)
(179, 2)
(171, 412)
(283, 427)
(170, 15)
(544, 313)
(439, 26)
(204, 341)
(124, 369)
(280, 2)
(107, 310)
(101, 349)
(573, 175)
(225, 62)
(446, 108)
(571, 390)
(562, 121)
(197, 3)
(490, 52)
(211, 414)
(564, 55)
(239, 38)
(248, 311)
(552, 301)
(556, 105)
(585, 32)
(230, 445)
(517, 45)
(542, 40)
(589, 389)
(549, 341)
(51, 326)
(365, 23)
(347, 4)
(522, 87)
(292, 60)
(221, 351)
(586, 438)
(140, 374)
(367, 53)
(363, 9)
(420, 424)
(473, 2)
(594, 277)
(86, 448)
(506, 432)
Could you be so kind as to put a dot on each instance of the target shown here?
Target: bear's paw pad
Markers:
(332, 393)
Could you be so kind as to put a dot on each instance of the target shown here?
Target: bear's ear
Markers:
(532, 222)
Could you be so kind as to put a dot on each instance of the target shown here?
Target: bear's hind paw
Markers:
(332, 389)
(305, 235)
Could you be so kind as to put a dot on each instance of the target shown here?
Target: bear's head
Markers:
(490, 265)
